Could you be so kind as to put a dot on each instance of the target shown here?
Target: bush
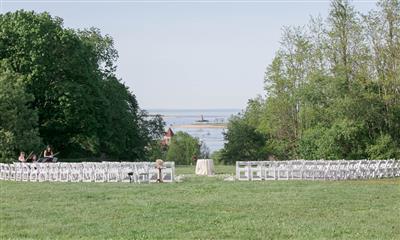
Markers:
(217, 157)
(183, 148)
(384, 148)
(244, 142)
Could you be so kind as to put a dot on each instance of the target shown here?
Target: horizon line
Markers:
(178, 1)
(192, 109)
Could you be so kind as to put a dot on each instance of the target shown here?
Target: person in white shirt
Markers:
(21, 157)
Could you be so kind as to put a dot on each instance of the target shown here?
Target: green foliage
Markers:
(183, 148)
(332, 90)
(152, 130)
(340, 141)
(18, 122)
(216, 156)
(157, 151)
(83, 109)
(384, 148)
(244, 142)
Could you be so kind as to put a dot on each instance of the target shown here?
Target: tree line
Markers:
(332, 91)
(58, 86)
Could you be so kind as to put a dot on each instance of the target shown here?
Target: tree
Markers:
(340, 141)
(156, 150)
(18, 122)
(243, 142)
(62, 75)
(183, 148)
(332, 90)
(204, 151)
(83, 108)
(152, 130)
(384, 148)
(217, 157)
(383, 35)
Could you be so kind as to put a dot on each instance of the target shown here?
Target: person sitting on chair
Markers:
(33, 158)
(21, 157)
(48, 155)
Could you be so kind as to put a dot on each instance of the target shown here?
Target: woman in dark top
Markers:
(48, 152)
(48, 155)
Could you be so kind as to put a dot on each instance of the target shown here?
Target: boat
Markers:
(202, 120)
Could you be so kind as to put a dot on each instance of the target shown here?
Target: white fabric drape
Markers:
(205, 167)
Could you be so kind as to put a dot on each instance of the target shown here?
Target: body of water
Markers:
(186, 121)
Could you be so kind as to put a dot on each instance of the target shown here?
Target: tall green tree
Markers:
(61, 75)
(332, 90)
(243, 142)
(83, 108)
(18, 122)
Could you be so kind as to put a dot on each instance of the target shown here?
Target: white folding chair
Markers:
(54, 172)
(255, 168)
(360, 170)
(269, 169)
(296, 167)
(13, 172)
(153, 172)
(113, 172)
(242, 171)
(390, 168)
(319, 169)
(332, 172)
(6, 171)
(353, 169)
(141, 171)
(373, 169)
(64, 172)
(126, 172)
(75, 173)
(33, 176)
(381, 171)
(308, 170)
(282, 170)
(26, 170)
(396, 168)
(43, 172)
(2, 172)
(168, 173)
(18, 171)
(88, 172)
(100, 172)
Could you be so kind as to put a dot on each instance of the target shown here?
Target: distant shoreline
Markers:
(190, 116)
(208, 125)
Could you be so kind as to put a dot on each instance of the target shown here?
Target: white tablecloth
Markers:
(205, 167)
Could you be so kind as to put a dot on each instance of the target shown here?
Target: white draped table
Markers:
(205, 167)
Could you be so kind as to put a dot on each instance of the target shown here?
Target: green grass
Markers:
(219, 169)
(201, 208)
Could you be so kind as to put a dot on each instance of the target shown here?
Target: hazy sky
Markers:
(192, 54)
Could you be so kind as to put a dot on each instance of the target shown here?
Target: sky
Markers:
(188, 54)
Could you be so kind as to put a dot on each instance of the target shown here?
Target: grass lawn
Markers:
(201, 208)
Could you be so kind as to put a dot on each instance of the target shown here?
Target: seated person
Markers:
(32, 158)
(48, 155)
(21, 157)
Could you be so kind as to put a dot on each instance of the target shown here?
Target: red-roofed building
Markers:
(167, 137)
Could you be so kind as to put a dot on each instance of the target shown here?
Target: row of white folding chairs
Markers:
(87, 172)
(331, 169)
(317, 169)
